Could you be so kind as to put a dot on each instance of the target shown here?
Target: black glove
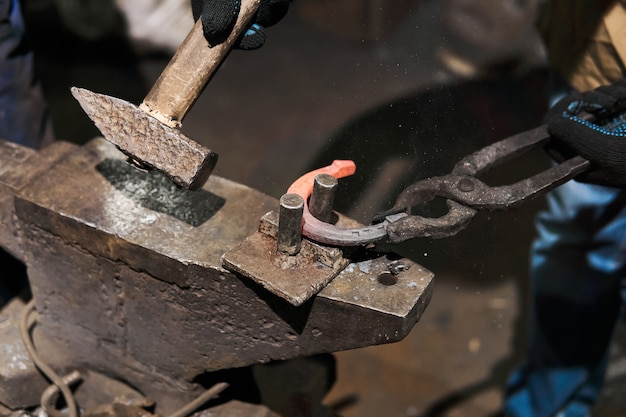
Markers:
(219, 18)
(601, 140)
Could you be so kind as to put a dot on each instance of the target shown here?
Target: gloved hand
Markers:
(601, 141)
(219, 18)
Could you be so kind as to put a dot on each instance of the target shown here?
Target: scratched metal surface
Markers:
(128, 281)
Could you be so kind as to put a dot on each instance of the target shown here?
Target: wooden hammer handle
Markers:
(190, 69)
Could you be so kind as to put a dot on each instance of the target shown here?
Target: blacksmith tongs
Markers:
(466, 194)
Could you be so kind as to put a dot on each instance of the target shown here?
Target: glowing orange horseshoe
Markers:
(339, 168)
(328, 233)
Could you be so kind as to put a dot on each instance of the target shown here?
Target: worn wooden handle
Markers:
(190, 69)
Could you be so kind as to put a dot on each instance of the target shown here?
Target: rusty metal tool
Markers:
(464, 192)
(149, 134)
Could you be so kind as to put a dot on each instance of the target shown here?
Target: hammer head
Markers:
(147, 140)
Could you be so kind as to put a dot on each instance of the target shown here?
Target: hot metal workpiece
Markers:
(126, 271)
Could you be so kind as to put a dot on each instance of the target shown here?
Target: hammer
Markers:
(148, 134)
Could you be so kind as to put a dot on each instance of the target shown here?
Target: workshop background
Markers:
(405, 88)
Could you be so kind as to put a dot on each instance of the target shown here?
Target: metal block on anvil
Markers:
(295, 278)
(125, 268)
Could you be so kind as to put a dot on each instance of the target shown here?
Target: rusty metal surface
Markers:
(298, 278)
(367, 283)
(158, 331)
(144, 222)
(18, 167)
(21, 384)
(295, 278)
(126, 285)
(147, 140)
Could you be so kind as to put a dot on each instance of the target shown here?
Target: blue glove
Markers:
(219, 18)
(601, 141)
